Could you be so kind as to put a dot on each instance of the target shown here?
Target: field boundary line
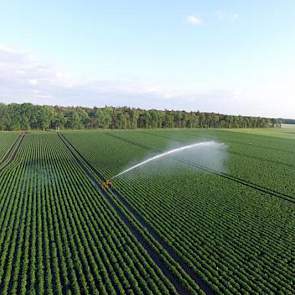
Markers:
(126, 212)
(241, 181)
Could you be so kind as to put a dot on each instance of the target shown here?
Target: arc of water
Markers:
(165, 154)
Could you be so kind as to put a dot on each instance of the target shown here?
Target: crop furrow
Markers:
(241, 181)
(272, 161)
(125, 212)
(11, 153)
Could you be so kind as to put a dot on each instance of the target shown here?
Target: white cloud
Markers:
(194, 20)
(23, 78)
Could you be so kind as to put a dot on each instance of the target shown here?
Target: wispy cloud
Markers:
(23, 78)
(223, 15)
(194, 20)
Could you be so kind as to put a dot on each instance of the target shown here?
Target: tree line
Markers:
(27, 116)
(287, 121)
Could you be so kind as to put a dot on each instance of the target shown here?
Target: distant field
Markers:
(205, 221)
(292, 126)
(287, 131)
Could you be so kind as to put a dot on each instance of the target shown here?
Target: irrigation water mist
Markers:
(205, 144)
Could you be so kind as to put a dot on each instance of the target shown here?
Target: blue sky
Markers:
(223, 56)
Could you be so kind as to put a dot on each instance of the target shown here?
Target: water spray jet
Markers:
(162, 155)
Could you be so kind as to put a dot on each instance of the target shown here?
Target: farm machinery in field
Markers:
(107, 184)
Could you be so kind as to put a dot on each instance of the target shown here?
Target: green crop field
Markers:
(6, 141)
(218, 219)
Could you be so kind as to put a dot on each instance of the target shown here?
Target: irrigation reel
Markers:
(107, 184)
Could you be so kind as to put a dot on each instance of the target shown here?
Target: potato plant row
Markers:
(266, 161)
(238, 240)
(6, 141)
(58, 235)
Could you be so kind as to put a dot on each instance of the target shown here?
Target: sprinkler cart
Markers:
(107, 184)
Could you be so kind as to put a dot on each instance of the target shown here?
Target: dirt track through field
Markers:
(241, 181)
(276, 162)
(229, 141)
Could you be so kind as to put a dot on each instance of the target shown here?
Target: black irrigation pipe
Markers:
(11, 153)
(156, 257)
(242, 181)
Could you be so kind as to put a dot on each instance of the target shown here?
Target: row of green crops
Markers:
(237, 239)
(58, 235)
(264, 160)
(6, 141)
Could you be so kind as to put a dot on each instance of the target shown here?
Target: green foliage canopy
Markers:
(28, 116)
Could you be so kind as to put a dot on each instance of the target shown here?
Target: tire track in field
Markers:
(261, 146)
(11, 153)
(242, 181)
(141, 224)
(232, 152)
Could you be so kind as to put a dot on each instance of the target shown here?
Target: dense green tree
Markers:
(28, 116)
(44, 116)
(104, 117)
